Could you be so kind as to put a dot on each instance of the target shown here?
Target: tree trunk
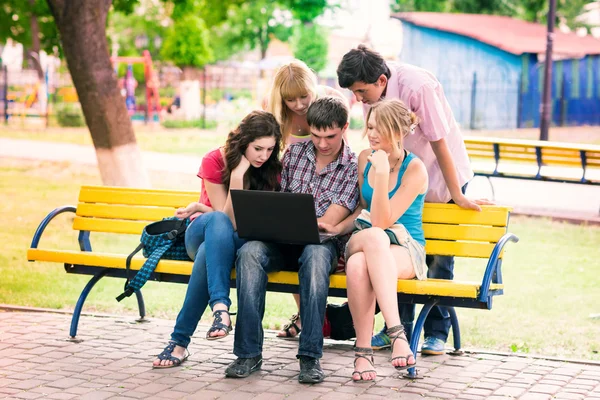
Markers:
(82, 27)
(34, 53)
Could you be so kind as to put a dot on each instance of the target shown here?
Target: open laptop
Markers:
(279, 217)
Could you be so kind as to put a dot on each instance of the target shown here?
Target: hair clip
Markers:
(412, 128)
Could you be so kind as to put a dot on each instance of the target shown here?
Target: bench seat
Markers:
(449, 230)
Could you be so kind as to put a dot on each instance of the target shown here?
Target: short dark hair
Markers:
(361, 65)
(327, 113)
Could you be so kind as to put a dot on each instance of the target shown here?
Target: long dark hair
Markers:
(256, 125)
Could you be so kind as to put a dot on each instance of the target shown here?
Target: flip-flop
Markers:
(168, 356)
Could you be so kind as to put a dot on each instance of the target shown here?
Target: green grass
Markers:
(551, 275)
(175, 141)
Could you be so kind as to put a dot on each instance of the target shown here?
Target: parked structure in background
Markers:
(491, 68)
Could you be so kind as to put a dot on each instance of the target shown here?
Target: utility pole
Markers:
(546, 106)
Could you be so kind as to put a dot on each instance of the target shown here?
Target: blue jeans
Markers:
(212, 243)
(255, 260)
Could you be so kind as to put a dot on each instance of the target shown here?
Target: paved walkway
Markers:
(114, 362)
(558, 200)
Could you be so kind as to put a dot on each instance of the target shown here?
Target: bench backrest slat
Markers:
(449, 230)
(553, 153)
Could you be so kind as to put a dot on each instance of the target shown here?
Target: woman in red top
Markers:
(249, 160)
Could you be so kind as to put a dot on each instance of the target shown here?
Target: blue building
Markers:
(492, 68)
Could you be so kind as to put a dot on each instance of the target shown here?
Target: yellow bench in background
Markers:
(449, 230)
(551, 161)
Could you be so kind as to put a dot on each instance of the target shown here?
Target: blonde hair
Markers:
(394, 120)
(292, 80)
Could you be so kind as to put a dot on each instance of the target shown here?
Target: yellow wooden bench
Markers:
(535, 159)
(449, 230)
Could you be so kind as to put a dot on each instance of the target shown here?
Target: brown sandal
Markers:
(367, 354)
(395, 333)
(287, 328)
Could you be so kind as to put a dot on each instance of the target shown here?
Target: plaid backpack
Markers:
(162, 239)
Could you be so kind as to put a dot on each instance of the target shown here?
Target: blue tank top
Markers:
(412, 219)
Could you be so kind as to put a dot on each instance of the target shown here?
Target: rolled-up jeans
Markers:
(212, 243)
(255, 260)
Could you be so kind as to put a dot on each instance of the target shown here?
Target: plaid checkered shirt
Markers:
(337, 183)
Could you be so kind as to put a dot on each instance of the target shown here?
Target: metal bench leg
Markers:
(455, 332)
(79, 306)
(416, 334)
(141, 306)
(492, 187)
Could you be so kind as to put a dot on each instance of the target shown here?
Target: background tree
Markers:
(187, 45)
(82, 29)
(30, 23)
(311, 46)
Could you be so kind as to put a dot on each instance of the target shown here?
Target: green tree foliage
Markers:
(146, 27)
(187, 43)
(311, 46)
(250, 25)
(528, 10)
(17, 20)
(421, 5)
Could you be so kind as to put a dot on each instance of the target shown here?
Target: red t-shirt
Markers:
(210, 170)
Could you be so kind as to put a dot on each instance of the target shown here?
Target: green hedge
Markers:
(70, 115)
(195, 123)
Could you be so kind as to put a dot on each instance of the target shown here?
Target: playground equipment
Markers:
(129, 84)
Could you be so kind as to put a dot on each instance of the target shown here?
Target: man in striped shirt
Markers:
(326, 168)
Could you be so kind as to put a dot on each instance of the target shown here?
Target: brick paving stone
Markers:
(28, 395)
(549, 389)
(28, 384)
(509, 391)
(62, 396)
(470, 397)
(535, 396)
(486, 385)
(98, 395)
(569, 396)
(441, 395)
(279, 396)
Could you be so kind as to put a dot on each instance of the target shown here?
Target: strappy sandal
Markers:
(168, 356)
(287, 328)
(395, 333)
(367, 354)
(218, 325)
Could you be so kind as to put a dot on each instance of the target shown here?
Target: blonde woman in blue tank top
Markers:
(389, 244)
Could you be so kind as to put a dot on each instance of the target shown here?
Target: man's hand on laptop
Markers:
(328, 228)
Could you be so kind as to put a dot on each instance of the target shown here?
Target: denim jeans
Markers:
(212, 243)
(438, 321)
(255, 260)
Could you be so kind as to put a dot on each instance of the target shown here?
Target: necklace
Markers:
(394, 167)
(397, 161)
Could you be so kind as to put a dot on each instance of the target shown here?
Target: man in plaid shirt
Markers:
(326, 168)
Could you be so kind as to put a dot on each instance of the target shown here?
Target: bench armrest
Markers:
(493, 265)
(40, 229)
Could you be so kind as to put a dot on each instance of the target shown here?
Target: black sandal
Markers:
(168, 356)
(395, 333)
(289, 326)
(218, 325)
(367, 354)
